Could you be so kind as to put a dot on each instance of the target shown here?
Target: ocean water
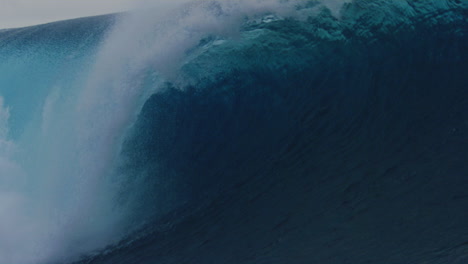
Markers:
(261, 131)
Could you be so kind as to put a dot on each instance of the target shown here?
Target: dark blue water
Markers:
(336, 138)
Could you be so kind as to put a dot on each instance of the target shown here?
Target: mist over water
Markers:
(58, 179)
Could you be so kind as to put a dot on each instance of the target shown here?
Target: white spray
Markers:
(57, 194)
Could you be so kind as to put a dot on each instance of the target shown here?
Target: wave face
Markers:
(238, 132)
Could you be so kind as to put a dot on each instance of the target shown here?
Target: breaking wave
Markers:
(238, 132)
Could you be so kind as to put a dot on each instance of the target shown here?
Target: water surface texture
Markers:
(331, 132)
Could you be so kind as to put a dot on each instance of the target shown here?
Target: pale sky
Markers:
(18, 13)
